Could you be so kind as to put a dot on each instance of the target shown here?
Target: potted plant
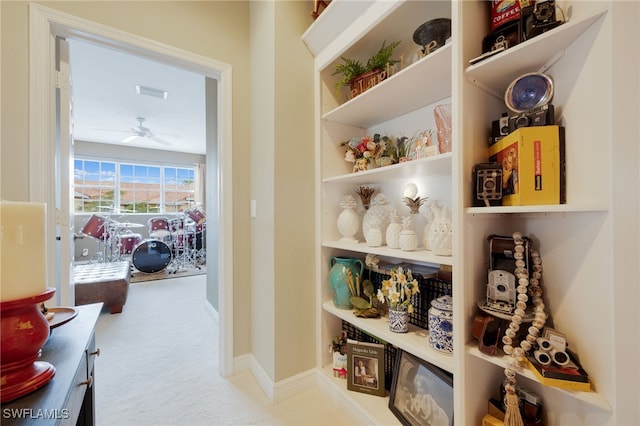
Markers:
(398, 291)
(352, 69)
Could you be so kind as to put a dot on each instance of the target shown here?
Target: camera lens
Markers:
(522, 121)
(489, 184)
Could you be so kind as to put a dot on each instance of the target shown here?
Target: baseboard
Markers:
(275, 392)
(354, 411)
(211, 311)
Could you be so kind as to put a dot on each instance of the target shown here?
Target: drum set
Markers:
(174, 243)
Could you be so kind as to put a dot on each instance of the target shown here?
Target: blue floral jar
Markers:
(441, 324)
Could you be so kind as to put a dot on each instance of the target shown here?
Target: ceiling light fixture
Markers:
(148, 91)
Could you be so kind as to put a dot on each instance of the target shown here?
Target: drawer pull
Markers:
(96, 352)
(88, 382)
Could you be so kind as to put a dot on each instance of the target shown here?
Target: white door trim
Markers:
(45, 24)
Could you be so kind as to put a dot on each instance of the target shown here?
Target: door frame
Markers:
(45, 24)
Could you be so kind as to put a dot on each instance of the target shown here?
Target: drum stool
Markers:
(102, 282)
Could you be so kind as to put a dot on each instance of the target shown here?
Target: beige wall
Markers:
(215, 29)
(272, 149)
(283, 187)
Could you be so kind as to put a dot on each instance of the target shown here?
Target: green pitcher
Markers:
(338, 279)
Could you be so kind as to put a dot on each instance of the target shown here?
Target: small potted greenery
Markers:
(352, 69)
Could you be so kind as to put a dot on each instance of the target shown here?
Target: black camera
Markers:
(539, 18)
(499, 128)
(487, 190)
(541, 116)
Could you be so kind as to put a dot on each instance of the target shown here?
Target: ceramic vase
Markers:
(377, 216)
(408, 240)
(442, 115)
(339, 279)
(392, 234)
(440, 319)
(398, 321)
(348, 220)
(441, 232)
(374, 237)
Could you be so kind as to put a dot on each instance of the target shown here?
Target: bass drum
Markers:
(151, 256)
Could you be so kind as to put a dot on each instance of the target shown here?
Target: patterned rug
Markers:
(138, 276)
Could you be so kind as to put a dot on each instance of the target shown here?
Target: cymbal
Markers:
(130, 225)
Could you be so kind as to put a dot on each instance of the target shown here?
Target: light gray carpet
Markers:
(158, 366)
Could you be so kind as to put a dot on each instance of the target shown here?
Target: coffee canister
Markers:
(441, 324)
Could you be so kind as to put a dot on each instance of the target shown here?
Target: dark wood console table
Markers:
(68, 399)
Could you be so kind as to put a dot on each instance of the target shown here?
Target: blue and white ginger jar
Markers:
(441, 324)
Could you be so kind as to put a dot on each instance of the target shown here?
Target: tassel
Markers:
(512, 415)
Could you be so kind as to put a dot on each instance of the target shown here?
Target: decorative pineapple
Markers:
(378, 215)
(373, 237)
(440, 231)
(393, 230)
(408, 238)
(365, 193)
(348, 220)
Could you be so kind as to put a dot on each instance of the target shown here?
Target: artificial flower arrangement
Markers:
(367, 151)
(399, 290)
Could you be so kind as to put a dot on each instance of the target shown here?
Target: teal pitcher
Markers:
(338, 279)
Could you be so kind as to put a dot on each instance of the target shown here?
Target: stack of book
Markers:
(571, 377)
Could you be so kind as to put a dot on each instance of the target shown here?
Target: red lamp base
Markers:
(25, 330)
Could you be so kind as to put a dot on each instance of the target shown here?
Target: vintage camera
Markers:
(501, 291)
(529, 98)
(539, 18)
(499, 128)
(487, 189)
(540, 116)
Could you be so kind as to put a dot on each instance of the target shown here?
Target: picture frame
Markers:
(421, 393)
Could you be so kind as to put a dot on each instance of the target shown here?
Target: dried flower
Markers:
(399, 290)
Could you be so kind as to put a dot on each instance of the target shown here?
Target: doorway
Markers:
(46, 24)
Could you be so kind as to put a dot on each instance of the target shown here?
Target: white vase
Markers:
(377, 216)
(408, 240)
(393, 235)
(440, 232)
(374, 237)
(348, 224)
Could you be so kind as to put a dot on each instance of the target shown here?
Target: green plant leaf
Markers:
(359, 302)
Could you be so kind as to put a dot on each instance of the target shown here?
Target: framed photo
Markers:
(421, 393)
(365, 367)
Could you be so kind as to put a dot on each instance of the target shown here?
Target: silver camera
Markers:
(501, 291)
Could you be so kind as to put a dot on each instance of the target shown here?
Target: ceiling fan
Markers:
(141, 131)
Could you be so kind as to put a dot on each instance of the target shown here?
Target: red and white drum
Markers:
(128, 242)
(159, 229)
(96, 227)
(176, 225)
(198, 217)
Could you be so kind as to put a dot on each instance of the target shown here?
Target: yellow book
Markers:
(489, 420)
(559, 383)
(532, 161)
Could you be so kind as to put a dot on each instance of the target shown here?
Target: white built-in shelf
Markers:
(540, 210)
(416, 341)
(333, 20)
(437, 165)
(537, 54)
(419, 255)
(422, 83)
(369, 409)
(591, 398)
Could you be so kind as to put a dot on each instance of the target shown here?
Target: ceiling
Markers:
(106, 105)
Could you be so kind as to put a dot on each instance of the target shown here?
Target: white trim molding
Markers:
(45, 25)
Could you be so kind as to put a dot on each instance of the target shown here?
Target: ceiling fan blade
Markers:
(160, 141)
(129, 139)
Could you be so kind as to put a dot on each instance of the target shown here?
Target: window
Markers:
(107, 186)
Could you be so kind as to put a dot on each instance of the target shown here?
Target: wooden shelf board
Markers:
(416, 341)
(399, 94)
(437, 165)
(419, 255)
(591, 398)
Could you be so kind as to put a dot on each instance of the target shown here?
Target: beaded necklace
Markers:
(516, 352)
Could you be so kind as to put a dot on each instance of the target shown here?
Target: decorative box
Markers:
(532, 161)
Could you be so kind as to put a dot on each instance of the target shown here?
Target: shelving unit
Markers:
(572, 238)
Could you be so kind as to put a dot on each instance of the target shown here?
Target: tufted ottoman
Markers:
(102, 282)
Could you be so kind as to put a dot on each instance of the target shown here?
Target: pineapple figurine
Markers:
(378, 215)
(408, 239)
(393, 230)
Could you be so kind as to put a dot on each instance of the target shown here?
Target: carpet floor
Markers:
(158, 365)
